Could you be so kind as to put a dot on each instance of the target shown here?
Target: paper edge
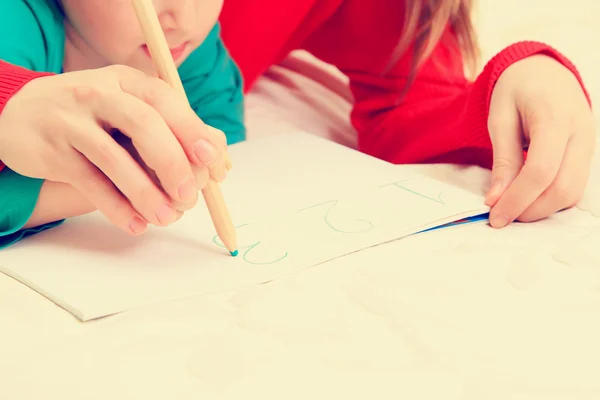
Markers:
(37, 289)
(91, 316)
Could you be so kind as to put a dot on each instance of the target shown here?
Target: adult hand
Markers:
(57, 128)
(538, 104)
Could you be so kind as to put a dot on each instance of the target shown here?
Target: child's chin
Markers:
(147, 66)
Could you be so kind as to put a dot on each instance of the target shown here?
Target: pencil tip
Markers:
(234, 253)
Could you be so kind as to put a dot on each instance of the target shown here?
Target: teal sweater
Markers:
(32, 36)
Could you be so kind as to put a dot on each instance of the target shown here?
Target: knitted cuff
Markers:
(484, 85)
(12, 79)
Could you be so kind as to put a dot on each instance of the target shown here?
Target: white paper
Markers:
(297, 201)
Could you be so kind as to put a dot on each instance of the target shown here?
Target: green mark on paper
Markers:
(398, 185)
(367, 224)
(248, 250)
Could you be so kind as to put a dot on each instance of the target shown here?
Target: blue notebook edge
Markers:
(468, 220)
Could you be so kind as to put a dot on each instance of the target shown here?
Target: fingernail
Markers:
(178, 216)
(228, 163)
(221, 174)
(205, 152)
(137, 226)
(499, 221)
(187, 190)
(165, 214)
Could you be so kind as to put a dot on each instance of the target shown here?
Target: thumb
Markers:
(507, 142)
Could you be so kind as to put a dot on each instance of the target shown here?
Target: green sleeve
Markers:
(32, 34)
(213, 84)
(31, 38)
(17, 201)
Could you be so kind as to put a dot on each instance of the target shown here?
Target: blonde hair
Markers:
(426, 21)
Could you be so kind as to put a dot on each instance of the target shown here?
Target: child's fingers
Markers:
(504, 126)
(570, 182)
(124, 172)
(100, 191)
(201, 147)
(219, 172)
(544, 159)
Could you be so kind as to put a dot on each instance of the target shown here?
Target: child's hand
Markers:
(538, 103)
(55, 128)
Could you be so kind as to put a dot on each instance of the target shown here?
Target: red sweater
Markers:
(443, 118)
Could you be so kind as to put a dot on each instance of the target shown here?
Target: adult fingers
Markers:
(178, 206)
(202, 175)
(201, 145)
(101, 192)
(151, 137)
(507, 141)
(121, 169)
(568, 187)
(544, 158)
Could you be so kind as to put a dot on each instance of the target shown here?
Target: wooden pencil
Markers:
(167, 70)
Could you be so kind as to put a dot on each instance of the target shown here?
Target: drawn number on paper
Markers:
(248, 249)
(438, 199)
(364, 225)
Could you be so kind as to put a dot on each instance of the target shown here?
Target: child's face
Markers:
(106, 32)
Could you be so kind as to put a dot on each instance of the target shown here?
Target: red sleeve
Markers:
(443, 118)
(12, 79)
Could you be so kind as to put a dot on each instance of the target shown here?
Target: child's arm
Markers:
(213, 84)
(27, 205)
(57, 202)
(443, 118)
